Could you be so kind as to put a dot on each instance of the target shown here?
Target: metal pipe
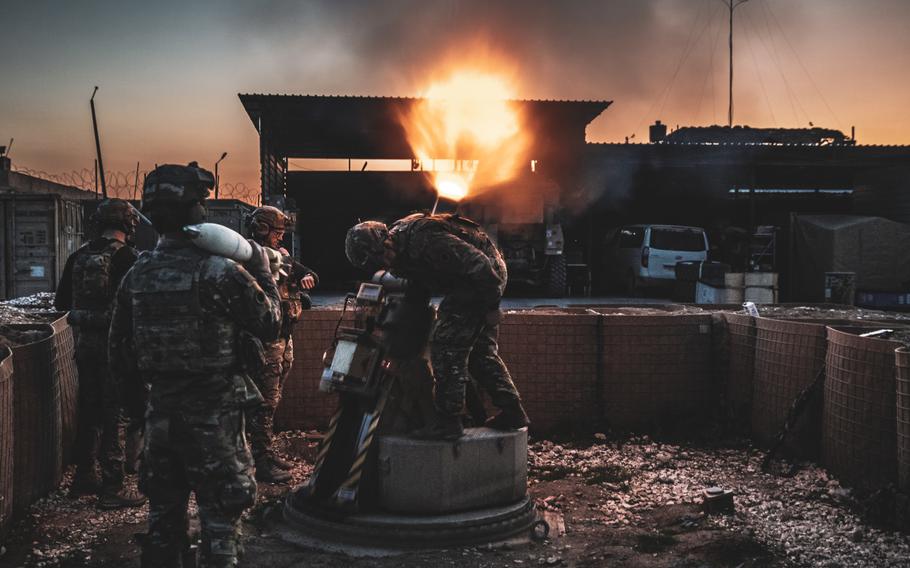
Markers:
(218, 161)
(98, 144)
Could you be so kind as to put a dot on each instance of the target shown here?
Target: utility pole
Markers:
(99, 164)
(732, 4)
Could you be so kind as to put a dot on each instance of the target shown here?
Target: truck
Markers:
(523, 217)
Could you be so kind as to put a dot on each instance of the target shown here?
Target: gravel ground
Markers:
(807, 519)
(632, 502)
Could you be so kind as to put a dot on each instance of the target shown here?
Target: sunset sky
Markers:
(169, 72)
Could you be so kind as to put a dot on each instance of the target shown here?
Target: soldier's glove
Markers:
(258, 264)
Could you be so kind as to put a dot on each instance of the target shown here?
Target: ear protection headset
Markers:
(256, 227)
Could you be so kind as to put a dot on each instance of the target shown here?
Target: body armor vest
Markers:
(93, 291)
(172, 333)
(465, 229)
(417, 226)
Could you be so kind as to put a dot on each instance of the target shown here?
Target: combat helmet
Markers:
(265, 219)
(364, 244)
(172, 184)
(115, 213)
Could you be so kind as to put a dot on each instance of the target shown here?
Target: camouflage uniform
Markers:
(279, 356)
(178, 320)
(90, 279)
(452, 255)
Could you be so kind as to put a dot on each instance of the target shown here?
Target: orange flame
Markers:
(467, 133)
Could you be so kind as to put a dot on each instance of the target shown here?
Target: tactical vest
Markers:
(172, 333)
(456, 225)
(93, 291)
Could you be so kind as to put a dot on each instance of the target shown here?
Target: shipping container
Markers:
(228, 212)
(37, 235)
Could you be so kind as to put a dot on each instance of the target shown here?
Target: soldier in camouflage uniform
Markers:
(90, 279)
(450, 255)
(266, 225)
(180, 319)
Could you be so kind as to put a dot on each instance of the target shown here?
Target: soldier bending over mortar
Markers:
(448, 254)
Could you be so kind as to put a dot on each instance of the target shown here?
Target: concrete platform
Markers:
(400, 531)
(484, 468)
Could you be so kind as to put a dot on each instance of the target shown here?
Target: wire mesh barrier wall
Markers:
(575, 369)
(859, 442)
(657, 371)
(789, 355)
(68, 377)
(902, 357)
(303, 406)
(37, 456)
(738, 369)
(7, 441)
(552, 359)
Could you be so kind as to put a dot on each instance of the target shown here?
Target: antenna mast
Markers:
(732, 4)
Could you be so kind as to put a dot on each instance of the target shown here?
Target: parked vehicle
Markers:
(639, 256)
(523, 218)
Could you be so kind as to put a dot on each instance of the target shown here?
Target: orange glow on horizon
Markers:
(468, 118)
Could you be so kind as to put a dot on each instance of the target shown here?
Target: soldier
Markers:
(266, 225)
(180, 319)
(90, 279)
(450, 255)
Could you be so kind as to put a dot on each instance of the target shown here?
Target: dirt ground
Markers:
(623, 502)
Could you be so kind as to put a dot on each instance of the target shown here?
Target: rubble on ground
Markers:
(808, 518)
(37, 308)
(823, 312)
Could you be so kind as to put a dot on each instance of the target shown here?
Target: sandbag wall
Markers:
(859, 444)
(38, 452)
(7, 440)
(902, 376)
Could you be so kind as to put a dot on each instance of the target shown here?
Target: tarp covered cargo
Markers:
(872, 247)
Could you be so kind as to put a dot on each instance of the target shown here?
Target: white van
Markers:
(645, 255)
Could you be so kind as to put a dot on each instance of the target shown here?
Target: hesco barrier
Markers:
(302, 406)
(657, 370)
(902, 357)
(553, 361)
(788, 357)
(552, 358)
(859, 442)
(738, 371)
(37, 458)
(6, 439)
(68, 376)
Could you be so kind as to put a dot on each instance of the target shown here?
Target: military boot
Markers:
(120, 498)
(510, 418)
(281, 462)
(447, 427)
(133, 451)
(268, 472)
